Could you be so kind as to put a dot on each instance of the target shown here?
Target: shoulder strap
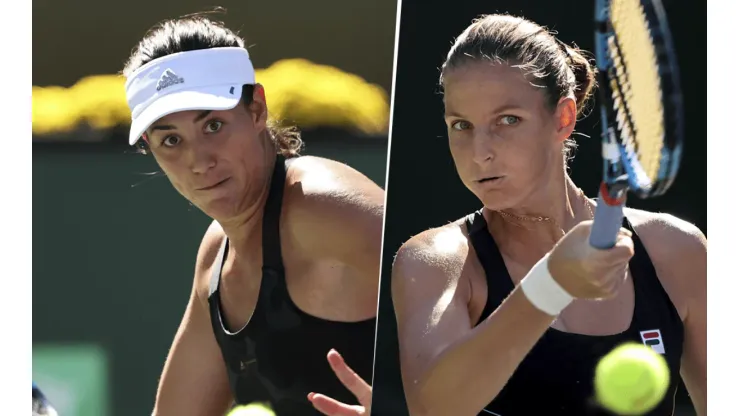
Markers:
(648, 287)
(497, 276)
(217, 266)
(271, 250)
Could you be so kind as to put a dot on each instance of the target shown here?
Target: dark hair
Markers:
(196, 32)
(557, 68)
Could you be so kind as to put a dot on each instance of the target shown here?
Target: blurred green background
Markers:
(113, 260)
(113, 246)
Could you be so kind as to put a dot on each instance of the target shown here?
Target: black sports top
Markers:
(556, 377)
(280, 355)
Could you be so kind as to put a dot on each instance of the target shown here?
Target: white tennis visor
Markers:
(205, 79)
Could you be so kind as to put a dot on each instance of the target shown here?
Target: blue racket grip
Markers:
(607, 219)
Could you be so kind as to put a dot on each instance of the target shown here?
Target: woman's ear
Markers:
(258, 107)
(565, 114)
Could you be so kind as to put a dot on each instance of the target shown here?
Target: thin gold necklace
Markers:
(506, 215)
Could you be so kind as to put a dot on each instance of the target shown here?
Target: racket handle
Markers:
(607, 218)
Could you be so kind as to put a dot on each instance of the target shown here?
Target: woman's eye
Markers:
(460, 125)
(170, 141)
(510, 120)
(213, 126)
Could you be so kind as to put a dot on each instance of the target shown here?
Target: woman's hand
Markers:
(354, 383)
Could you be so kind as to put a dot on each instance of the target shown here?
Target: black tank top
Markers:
(556, 377)
(282, 350)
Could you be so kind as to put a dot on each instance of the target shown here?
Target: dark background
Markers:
(424, 190)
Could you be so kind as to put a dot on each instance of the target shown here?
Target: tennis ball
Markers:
(254, 409)
(631, 380)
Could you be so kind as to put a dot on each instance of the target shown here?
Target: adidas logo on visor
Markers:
(168, 79)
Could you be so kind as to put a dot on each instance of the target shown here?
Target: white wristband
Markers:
(543, 291)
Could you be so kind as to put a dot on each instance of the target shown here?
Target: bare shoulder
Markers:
(209, 248)
(333, 212)
(306, 166)
(667, 235)
(678, 251)
(329, 191)
(432, 258)
(317, 177)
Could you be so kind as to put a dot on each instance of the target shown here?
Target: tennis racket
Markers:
(641, 108)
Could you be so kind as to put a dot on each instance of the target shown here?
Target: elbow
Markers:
(424, 400)
(427, 399)
(417, 404)
(420, 398)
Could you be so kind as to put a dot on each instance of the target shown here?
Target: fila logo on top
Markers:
(653, 339)
(167, 79)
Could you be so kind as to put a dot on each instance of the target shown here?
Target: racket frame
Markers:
(621, 170)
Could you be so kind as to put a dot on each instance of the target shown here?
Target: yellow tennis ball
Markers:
(254, 409)
(631, 380)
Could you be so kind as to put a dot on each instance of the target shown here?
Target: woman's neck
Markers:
(546, 215)
(242, 229)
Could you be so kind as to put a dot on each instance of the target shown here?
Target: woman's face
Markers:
(215, 159)
(504, 138)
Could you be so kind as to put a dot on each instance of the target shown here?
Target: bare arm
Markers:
(335, 214)
(449, 367)
(694, 360)
(194, 380)
(339, 215)
(680, 252)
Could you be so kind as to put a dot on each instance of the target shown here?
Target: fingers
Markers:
(612, 281)
(623, 250)
(619, 276)
(352, 382)
(589, 272)
(349, 378)
(331, 407)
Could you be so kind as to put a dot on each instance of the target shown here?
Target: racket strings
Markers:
(636, 85)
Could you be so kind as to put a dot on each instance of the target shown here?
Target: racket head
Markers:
(640, 93)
